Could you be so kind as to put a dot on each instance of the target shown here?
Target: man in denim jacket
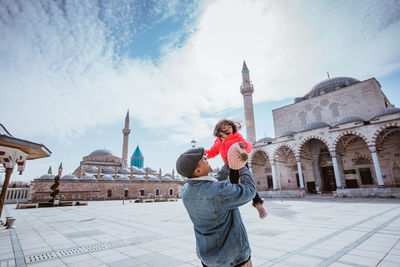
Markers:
(212, 205)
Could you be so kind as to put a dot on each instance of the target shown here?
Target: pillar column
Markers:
(273, 170)
(4, 189)
(300, 172)
(339, 160)
(336, 170)
(376, 166)
(317, 174)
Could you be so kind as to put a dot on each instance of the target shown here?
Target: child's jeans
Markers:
(234, 178)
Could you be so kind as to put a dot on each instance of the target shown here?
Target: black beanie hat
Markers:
(188, 161)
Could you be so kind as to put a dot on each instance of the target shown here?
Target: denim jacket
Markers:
(212, 205)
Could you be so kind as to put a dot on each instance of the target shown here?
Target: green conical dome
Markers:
(137, 158)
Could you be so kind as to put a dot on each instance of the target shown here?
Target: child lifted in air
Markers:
(227, 136)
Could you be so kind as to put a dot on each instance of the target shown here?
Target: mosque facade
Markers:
(343, 138)
(102, 175)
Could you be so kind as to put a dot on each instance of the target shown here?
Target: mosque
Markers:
(102, 175)
(342, 137)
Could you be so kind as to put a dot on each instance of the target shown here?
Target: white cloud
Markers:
(60, 78)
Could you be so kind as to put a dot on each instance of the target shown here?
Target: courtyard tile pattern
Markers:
(307, 232)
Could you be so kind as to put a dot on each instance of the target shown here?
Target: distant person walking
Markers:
(227, 134)
(212, 205)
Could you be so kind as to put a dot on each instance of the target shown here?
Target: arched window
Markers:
(334, 110)
(303, 119)
(318, 114)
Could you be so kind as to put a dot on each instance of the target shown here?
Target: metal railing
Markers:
(17, 195)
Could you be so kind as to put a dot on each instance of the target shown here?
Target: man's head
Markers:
(193, 163)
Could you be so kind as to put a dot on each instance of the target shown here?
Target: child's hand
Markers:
(242, 145)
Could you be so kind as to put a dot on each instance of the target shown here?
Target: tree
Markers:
(54, 188)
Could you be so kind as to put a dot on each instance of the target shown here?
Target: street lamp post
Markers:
(123, 195)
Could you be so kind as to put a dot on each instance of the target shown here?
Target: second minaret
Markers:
(247, 91)
(126, 132)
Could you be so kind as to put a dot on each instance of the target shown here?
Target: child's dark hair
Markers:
(218, 127)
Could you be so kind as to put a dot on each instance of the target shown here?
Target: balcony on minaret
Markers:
(246, 88)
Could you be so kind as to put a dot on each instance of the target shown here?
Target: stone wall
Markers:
(369, 192)
(99, 190)
(363, 99)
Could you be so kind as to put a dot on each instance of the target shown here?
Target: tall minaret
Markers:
(247, 91)
(126, 132)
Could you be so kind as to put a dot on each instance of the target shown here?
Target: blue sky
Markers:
(69, 70)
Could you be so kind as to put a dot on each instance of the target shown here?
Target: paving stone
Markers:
(306, 232)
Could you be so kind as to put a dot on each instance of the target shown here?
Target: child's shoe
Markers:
(261, 211)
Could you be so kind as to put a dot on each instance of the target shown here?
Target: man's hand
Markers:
(242, 145)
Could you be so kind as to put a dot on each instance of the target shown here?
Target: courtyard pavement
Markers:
(306, 232)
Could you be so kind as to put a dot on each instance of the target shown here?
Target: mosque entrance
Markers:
(328, 179)
(365, 175)
(318, 171)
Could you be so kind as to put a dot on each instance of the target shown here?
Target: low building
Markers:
(102, 175)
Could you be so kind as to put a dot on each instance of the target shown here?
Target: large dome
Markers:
(101, 152)
(328, 85)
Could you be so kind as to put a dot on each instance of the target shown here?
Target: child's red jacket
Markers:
(222, 148)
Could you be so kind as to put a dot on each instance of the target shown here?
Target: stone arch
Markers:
(261, 167)
(281, 146)
(308, 138)
(349, 132)
(364, 159)
(382, 128)
(254, 152)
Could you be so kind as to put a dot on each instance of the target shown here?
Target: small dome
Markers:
(287, 133)
(133, 168)
(88, 177)
(101, 152)
(149, 170)
(386, 111)
(106, 178)
(139, 178)
(139, 171)
(47, 176)
(266, 139)
(315, 125)
(108, 170)
(179, 179)
(70, 177)
(166, 179)
(349, 119)
(167, 175)
(124, 171)
(123, 178)
(92, 169)
(153, 178)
